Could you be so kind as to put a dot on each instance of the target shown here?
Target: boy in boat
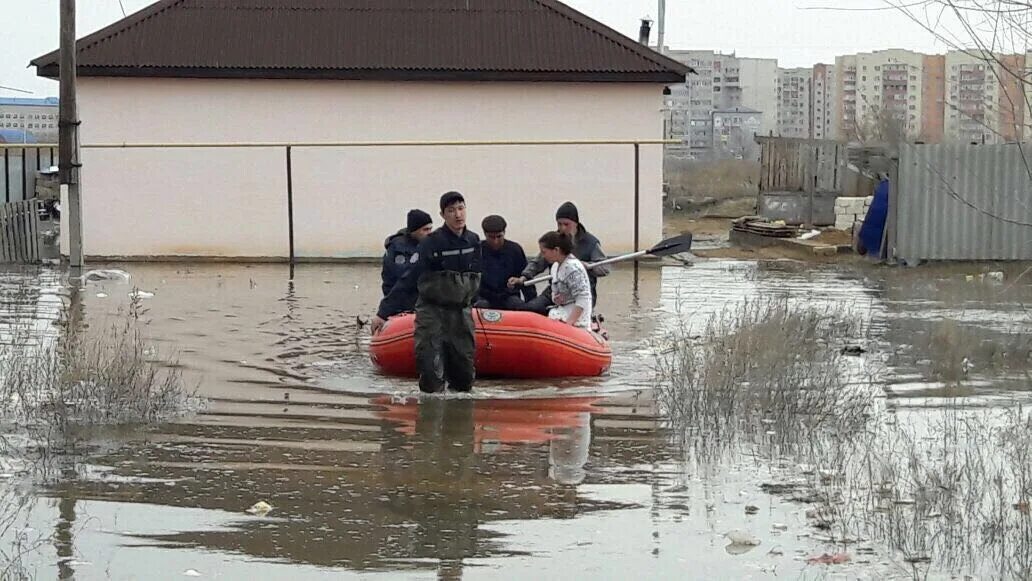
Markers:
(586, 248)
(401, 246)
(442, 281)
(502, 260)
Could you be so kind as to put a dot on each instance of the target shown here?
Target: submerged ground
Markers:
(901, 458)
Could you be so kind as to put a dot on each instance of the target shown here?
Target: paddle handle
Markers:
(590, 265)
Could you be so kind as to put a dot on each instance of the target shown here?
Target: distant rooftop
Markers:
(48, 101)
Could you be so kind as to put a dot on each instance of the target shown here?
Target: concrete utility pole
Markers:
(661, 27)
(68, 141)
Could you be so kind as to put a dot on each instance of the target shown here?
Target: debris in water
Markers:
(139, 294)
(1022, 507)
(779, 527)
(260, 508)
(191, 573)
(995, 276)
(918, 559)
(750, 509)
(741, 542)
(101, 295)
(853, 350)
(805, 469)
(829, 559)
(110, 274)
(775, 552)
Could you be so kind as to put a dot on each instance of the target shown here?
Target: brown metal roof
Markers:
(533, 40)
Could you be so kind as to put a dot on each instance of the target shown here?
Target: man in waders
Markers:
(444, 277)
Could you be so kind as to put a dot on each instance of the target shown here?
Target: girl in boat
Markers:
(570, 285)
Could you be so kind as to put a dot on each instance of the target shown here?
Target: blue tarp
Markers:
(874, 223)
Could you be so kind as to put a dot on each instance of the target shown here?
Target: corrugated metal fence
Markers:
(19, 163)
(962, 202)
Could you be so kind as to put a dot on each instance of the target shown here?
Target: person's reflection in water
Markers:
(568, 453)
(437, 495)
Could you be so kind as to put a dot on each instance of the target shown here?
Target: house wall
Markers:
(232, 202)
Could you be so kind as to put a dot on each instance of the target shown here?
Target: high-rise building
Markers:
(822, 102)
(880, 95)
(1027, 124)
(758, 86)
(1012, 105)
(933, 99)
(724, 81)
(972, 94)
(794, 102)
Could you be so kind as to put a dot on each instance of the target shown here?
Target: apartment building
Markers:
(723, 82)
(735, 131)
(972, 97)
(933, 99)
(35, 117)
(822, 103)
(879, 95)
(794, 102)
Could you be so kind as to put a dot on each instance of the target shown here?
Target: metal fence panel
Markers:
(964, 202)
(18, 167)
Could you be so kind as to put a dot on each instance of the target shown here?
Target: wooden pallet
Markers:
(767, 229)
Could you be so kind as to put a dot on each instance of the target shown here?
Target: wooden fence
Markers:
(801, 165)
(19, 231)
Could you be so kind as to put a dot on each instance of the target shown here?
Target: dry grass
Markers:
(766, 372)
(946, 489)
(52, 386)
(720, 179)
(90, 376)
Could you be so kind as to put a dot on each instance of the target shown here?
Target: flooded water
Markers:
(552, 479)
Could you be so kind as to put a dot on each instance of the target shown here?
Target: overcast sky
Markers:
(782, 29)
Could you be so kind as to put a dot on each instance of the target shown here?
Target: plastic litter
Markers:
(110, 274)
(260, 508)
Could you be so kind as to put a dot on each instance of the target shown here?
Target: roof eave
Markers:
(51, 71)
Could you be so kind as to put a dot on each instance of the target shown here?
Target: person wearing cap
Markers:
(442, 281)
(586, 248)
(502, 260)
(401, 246)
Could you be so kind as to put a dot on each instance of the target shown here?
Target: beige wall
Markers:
(232, 202)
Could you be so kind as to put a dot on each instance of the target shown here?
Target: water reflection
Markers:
(365, 478)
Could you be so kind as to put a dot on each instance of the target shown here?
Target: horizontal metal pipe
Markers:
(27, 145)
(377, 144)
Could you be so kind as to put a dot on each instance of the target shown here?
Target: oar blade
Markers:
(675, 245)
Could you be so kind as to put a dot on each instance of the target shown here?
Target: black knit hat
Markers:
(493, 224)
(417, 219)
(451, 198)
(568, 211)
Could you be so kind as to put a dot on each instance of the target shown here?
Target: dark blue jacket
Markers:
(441, 251)
(400, 248)
(498, 267)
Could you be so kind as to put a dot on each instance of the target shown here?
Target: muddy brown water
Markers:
(560, 479)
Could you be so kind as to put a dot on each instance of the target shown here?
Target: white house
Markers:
(236, 73)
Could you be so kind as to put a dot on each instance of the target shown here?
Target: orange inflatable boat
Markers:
(510, 344)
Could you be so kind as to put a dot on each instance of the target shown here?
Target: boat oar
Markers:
(675, 245)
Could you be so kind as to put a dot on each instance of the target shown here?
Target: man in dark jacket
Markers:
(586, 248)
(502, 260)
(443, 282)
(401, 246)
